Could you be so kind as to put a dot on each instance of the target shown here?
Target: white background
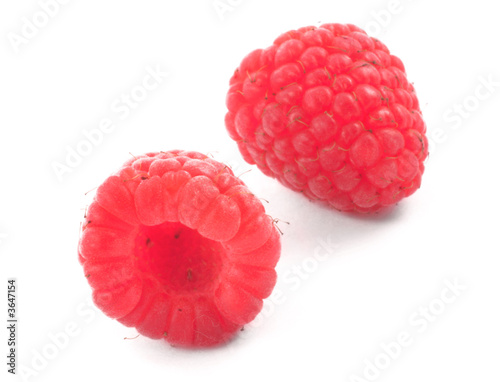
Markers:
(332, 312)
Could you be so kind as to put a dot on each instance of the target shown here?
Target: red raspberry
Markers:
(177, 246)
(329, 112)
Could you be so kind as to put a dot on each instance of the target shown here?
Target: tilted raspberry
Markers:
(176, 246)
(329, 112)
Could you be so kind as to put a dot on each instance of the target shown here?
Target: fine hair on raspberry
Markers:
(329, 112)
(176, 246)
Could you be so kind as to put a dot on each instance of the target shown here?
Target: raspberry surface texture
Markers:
(176, 246)
(329, 112)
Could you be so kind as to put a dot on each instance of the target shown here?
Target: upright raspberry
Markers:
(329, 112)
(178, 247)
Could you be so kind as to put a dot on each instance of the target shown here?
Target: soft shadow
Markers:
(313, 223)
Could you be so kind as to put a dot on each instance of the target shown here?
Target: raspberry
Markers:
(176, 246)
(330, 113)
